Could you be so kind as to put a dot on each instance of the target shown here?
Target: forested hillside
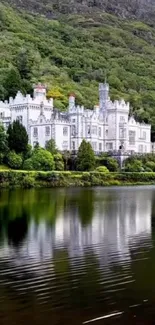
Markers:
(73, 51)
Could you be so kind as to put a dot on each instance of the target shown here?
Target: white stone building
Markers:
(107, 127)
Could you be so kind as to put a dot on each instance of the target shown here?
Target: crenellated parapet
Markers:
(20, 99)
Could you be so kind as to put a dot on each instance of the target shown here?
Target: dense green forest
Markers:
(73, 52)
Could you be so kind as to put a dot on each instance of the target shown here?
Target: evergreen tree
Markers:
(85, 157)
(3, 140)
(17, 137)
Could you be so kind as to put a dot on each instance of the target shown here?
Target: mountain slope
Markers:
(73, 52)
(141, 9)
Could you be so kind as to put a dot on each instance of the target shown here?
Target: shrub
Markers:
(102, 169)
(150, 165)
(41, 160)
(112, 164)
(14, 160)
(28, 181)
(28, 164)
(59, 163)
(135, 166)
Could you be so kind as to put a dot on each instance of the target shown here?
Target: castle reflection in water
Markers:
(116, 218)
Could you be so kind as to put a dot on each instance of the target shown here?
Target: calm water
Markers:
(77, 256)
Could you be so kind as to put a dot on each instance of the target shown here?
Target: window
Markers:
(94, 130)
(35, 132)
(109, 146)
(65, 145)
(65, 131)
(1, 115)
(94, 146)
(100, 146)
(99, 132)
(73, 121)
(88, 129)
(122, 119)
(73, 145)
(73, 130)
(20, 118)
(47, 131)
(141, 148)
(144, 135)
(122, 133)
(106, 132)
(132, 136)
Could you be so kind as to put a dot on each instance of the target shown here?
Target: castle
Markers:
(107, 126)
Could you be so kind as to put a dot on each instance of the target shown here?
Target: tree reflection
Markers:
(17, 230)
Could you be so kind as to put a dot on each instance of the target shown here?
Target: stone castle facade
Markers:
(107, 127)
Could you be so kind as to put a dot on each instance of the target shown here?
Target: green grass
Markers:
(4, 167)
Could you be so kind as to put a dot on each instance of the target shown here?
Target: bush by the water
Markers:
(30, 179)
(41, 159)
(14, 160)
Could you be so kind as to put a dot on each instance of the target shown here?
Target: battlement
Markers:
(4, 104)
(20, 99)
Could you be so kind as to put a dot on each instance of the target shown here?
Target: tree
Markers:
(17, 137)
(12, 83)
(112, 164)
(24, 62)
(41, 159)
(135, 166)
(3, 140)
(85, 157)
(51, 147)
(14, 160)
(58, 160)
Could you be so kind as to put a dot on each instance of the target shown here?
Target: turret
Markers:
(39, 91)
(71, 101)
(103, 95)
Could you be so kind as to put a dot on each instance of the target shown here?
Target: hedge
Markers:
(28, 179)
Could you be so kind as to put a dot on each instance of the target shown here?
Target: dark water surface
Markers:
(77, 256)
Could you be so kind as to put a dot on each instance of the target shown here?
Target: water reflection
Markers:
(75, 249)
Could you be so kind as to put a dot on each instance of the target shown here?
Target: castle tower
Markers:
(71, 101)
(39, 91)
(103, 95)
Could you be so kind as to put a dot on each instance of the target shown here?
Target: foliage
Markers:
(28, 181)
(140, 163)
(109, 162)
(17, 137)
(102, 169)
(58, 160)
(151, 165)
(112, 164)
(3, 140)
(85, 157)
(136, 166)
(14, 160)
(41, 159)
(78, 52)
(51, 147)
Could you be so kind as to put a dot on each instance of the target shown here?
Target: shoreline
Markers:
(52, 179)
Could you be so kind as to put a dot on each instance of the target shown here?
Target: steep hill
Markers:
(74, 49)
(141, 9)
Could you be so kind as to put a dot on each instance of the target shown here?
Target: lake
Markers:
(77, 256)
